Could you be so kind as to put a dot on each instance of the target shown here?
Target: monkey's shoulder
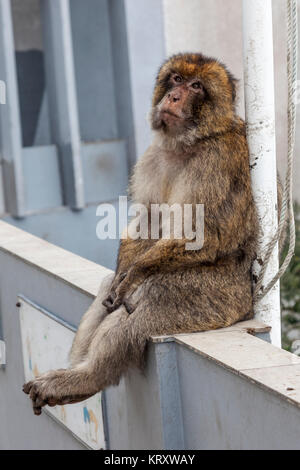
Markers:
(234, 136)
(148, 176)
(228, 149)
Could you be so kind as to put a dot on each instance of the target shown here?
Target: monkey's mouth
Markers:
(166, 120)
(170, 120)
(169, 113)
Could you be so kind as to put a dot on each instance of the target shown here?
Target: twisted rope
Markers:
(287, 209)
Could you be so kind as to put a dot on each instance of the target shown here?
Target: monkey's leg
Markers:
(107, 358)
(180, 302)
(120, 341)
(89, 323)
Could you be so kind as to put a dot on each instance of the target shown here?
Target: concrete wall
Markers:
(18, 429)
(209, 26)
(215, 390)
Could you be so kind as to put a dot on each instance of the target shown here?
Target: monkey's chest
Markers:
(169, 183)
(166, 190)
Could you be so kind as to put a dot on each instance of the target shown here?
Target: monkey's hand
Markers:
(110, 299)
(56, 387)
(121, 295)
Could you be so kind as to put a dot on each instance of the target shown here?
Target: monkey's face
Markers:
(194, 96)
(176, 111)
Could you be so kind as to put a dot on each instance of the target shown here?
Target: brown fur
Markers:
(160, 287)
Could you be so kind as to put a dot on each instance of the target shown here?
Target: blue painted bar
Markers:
(170, 400)
(10, 126)
(2, 204)
(61, 87)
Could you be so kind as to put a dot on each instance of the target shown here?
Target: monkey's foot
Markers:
(55, 388)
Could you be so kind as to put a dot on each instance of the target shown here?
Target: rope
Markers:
(287, 209)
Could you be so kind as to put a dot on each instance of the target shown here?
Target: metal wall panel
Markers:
(46, 343)
(94, 70)
(105, 171)
(41, 178)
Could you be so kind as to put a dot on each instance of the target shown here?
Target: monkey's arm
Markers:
(129, 251)
(163, 256)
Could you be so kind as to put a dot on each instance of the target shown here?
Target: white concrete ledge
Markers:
(237, 349)
(72, 269)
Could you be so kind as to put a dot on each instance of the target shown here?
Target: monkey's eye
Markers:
(197, 86)
(177, 78)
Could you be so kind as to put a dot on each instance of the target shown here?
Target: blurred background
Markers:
(79, 85)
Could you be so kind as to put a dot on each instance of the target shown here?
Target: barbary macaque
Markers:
(199, 155)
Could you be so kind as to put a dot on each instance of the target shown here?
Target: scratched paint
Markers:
(90, 419)
(46, 345)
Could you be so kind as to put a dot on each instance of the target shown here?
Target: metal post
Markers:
(61, 88)
(10, 126)
(260, 118)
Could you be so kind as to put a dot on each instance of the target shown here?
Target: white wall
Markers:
(214, 27)
(209, 26)
(146, 49)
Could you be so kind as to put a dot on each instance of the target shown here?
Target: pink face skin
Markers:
(174, 112)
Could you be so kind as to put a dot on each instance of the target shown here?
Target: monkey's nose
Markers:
(174, 97)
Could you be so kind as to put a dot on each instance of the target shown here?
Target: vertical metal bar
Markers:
(2, 102)
(61, 87)
(120, 58)
(260, 117)
(170, 399)
(2, 353)
(10, 127)
(2, 201)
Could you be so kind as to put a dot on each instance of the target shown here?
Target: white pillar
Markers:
(260, 118)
